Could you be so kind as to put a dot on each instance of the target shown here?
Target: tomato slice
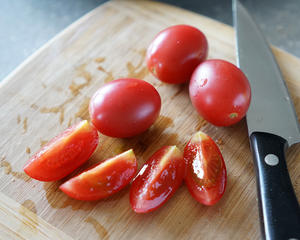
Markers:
(205, 169)
(158, 180)
(64, 153)
(104, 179)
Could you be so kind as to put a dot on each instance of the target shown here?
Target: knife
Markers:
(272, 126)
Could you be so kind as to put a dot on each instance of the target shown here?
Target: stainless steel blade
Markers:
(271, 109)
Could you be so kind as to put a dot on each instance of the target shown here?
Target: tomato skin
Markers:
(158, 180)
(175, 52)
(64, 153)
(102, 180)
(220, 92)
(124, 107)
(205, 174)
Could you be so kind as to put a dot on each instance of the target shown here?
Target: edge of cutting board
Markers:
(285, 60)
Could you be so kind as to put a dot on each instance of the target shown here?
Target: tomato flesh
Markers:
(158, 180)
(64, 153)
(205, 175)
(220, 92)
(175, 52)
(104, 179)
(124, 107)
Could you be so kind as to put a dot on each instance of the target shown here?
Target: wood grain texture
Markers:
(51, 90)
(17, 222)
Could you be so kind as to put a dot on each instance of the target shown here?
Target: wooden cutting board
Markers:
(51, 90)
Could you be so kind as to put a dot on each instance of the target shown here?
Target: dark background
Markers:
(25, 25)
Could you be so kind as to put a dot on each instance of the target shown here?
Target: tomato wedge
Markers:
(64, 153)
(205, 169)
(103, 180)
(158, 180)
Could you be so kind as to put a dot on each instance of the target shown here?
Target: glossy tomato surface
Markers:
(158, 180)
(175, 52)
(104, 179)
(124, 107)
(220, 92)
(64, 153)
(205, 175)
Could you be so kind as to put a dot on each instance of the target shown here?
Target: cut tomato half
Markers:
(102, 180)
(205, 169)
(64, 153)
(158, 180)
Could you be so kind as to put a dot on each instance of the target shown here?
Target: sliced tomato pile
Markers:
(64, 153)
(104, 179)
(205, 169)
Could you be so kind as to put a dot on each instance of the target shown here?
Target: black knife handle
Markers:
(278, 205)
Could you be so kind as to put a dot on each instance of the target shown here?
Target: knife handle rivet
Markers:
(271, 159)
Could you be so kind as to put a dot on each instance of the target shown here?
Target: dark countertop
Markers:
(28, 24)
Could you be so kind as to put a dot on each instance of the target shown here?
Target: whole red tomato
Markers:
(158, 180)
(124, 107)
(206, 175)
(220, 92)
(175, 52)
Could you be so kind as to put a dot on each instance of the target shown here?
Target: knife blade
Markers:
(272, 126)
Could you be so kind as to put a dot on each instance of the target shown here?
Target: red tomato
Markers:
(175, 52)
(158, 180)
(64, 153)
(205, 174)
(220, 92)
(104, 179)
(124, 107)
